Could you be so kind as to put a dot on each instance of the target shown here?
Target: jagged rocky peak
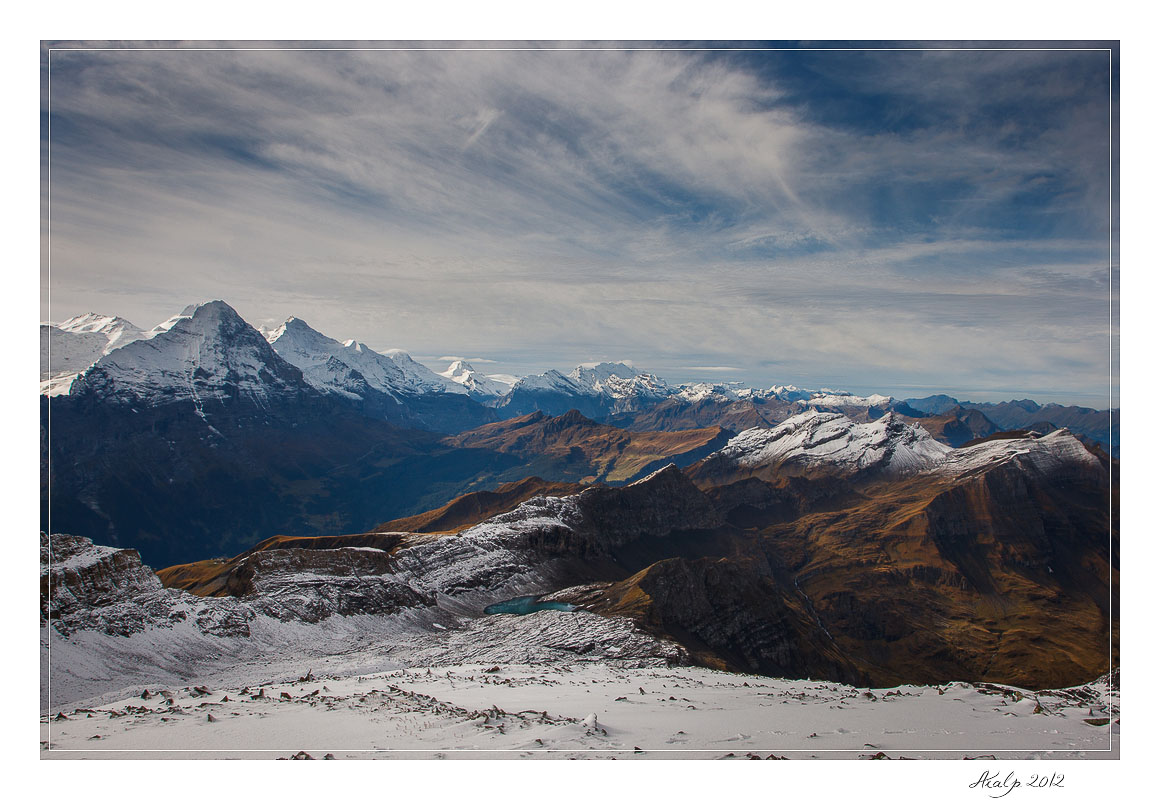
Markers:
(592, 374)
(619, 381)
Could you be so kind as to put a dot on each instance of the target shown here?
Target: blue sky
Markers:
(898, 221)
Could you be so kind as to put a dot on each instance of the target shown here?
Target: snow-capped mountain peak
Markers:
(421, 380)
(830, 398)
(467, 376)
(816, 438)
(111, 326)
(356, 346)
(552, 380)
(206, 352)
(594, 374)
(350, 368)
(1045, 454)
(74, 345)
(619, 382)
(892, 446)
(332, 367)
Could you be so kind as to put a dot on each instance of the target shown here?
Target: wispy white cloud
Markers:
(554, 207)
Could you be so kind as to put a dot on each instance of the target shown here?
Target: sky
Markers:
(900, 221)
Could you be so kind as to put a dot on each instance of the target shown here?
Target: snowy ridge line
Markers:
(891, 445)
(352, 369)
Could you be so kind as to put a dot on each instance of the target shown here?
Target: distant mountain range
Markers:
(203, 435)
(394, 387)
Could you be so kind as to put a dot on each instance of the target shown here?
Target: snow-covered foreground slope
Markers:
(360, 705)
(131, 670)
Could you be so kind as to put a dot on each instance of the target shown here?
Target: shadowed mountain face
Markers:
(958, 425)
(1100, 426)
(179, 485)
(184, 481)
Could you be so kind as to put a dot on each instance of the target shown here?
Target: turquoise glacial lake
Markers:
(526, 605)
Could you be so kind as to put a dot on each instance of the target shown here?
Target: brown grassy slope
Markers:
(576, 445)
(996, 578)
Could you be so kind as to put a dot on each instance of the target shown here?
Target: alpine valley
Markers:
(274, 543)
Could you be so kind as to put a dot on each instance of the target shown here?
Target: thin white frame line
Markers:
(589, 49)
(1111, 363)
(226, 49)
(48, 432)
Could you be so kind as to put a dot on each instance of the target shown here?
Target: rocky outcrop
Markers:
(84, 586)
(108, 590)
(663, 502)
